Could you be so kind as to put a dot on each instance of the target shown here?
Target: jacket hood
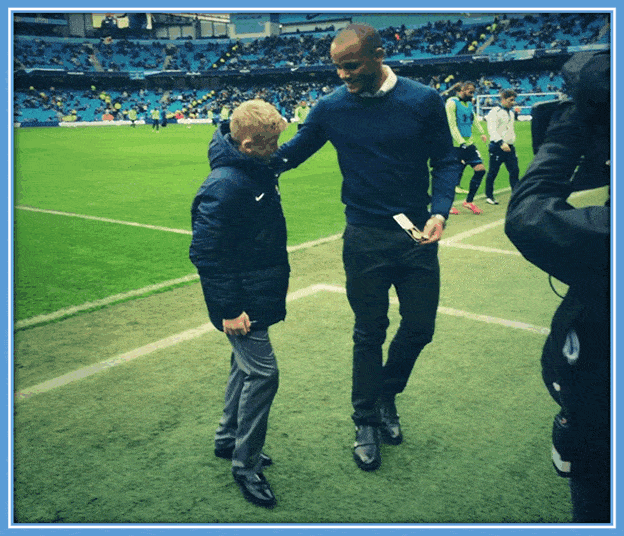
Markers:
(222, 152)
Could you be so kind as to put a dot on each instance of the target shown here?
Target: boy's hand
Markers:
(237, 326)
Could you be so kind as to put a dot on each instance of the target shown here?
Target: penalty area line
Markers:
(105, 220)
(147, 349)
(68, 311)
(463, 314)
(193, 333)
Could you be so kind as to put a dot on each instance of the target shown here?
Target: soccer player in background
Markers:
(155, 119)
(132, 116)
(461, 117)
(500, 125)
(301, 112)
(386, 130)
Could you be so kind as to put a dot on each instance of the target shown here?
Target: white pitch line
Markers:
(158, 228)
(456, 238)
(472, 232)
(106, 220)
(494, 320)
(484, 249)
(85, 372)
(35, 320)
(29, 322)
(306, 245)
(464, 314)
(193, 333)
(126, 357)
(61, 313)
(482, 228)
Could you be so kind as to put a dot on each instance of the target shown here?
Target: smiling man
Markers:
(358, 59)
(387, 131)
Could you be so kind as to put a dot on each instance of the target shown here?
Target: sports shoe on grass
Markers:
(453, 211)
(460, 190)
(491, 201)
(471, 206)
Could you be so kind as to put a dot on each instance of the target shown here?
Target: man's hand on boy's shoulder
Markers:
(237, 326)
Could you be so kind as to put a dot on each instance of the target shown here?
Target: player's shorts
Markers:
(468, 155)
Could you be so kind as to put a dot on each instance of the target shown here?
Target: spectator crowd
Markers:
(293, 50)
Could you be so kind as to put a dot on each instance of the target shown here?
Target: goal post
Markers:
(525, 101)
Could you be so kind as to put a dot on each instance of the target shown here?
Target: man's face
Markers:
(359, 69)
(508, 102)
(467, 93)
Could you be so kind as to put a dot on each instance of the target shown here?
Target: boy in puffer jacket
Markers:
(239, 249)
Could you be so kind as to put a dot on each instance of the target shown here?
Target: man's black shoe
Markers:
(227, 453)
(366, 451)
(256, 490)
(390, 425)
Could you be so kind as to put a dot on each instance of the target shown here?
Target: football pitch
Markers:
(119, 377)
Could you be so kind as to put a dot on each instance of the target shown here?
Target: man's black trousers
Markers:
(376, 259)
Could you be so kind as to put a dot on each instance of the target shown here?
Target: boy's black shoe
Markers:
(256, 490)
(227, 453)
(390, 425)
(366, 450)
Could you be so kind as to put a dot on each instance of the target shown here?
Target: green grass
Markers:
(133, 444)
(116, 172)
(151, 177)
(141, 176)
(134, 175)
(62, 262)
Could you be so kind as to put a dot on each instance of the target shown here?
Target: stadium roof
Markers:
(213, 17)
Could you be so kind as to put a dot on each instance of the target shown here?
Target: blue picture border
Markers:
(275, 6)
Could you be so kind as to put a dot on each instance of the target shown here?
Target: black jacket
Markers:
(573, 245)
(239, 237)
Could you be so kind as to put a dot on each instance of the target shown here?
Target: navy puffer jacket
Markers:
(239, 237)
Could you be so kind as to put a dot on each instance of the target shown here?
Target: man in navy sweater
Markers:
(387, 130)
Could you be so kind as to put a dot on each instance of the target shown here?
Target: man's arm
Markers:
(451, 116)
(492, 126)
(308, 140)
(444, 166)
(476, 121)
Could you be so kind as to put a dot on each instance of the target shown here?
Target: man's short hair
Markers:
(366, 34)
(506, 93)
(253, 117)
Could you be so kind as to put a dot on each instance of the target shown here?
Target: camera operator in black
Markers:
(573, 245)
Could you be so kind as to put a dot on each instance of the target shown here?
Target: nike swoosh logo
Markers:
(259, 197)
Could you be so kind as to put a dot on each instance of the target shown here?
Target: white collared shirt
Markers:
(500, 125)
(388, 85)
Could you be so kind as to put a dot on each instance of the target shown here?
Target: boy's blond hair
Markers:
(255, 117)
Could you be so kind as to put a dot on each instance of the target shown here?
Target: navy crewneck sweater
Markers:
(385, 146)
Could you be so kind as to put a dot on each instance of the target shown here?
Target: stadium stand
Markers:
(60, 79)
